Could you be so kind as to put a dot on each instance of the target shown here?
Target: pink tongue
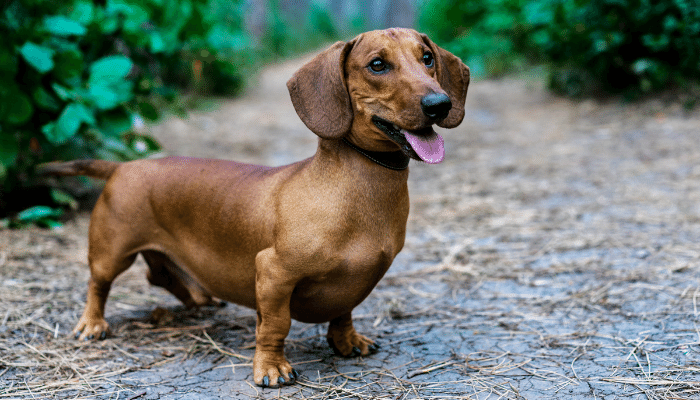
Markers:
(430, 148)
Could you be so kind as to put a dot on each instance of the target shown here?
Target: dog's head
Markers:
(383, 89)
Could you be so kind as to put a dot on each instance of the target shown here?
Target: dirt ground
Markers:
(554, 254)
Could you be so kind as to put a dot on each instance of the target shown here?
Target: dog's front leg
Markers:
(273, 291)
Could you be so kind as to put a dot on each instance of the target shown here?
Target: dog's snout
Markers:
(436, 106)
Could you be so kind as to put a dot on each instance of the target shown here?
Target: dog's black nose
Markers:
(436, 106)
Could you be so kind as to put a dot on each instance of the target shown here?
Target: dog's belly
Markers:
(337, 292)
(325, 303)
(314, 300)
(231, 279)
(233, 284)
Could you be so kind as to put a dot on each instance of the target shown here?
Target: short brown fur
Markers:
(307, 241)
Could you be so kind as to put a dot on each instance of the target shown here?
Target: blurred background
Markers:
(80, 78)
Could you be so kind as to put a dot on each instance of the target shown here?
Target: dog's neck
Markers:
(345, 158)
(350, 178)
(394, 160)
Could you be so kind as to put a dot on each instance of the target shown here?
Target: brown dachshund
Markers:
(307, 241)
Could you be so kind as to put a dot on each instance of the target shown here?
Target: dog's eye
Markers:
(428, 59)
(377, 65)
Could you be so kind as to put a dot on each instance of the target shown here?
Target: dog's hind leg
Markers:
(92, 324)
(163, 272)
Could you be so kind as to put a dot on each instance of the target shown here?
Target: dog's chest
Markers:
(343, 282)
(340, 240)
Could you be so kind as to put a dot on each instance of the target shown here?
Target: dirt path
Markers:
(554, 254)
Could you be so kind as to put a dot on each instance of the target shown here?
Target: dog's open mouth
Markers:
(424, 144)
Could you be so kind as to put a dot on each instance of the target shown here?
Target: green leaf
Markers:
(17, 108)
(157, 43)
(117, 148)
(110, 24)
(538, 13)
(642, 65)
(110, 68)
(68, 65)
(37, 213)
(62, 92)
(103, 96)
(107, 95)
(8, 63)
(656, 42)
(64, 199)
(148, 111)
(143, 144)
(83, 12)
(69, 122)
(107, 87)
(39, 57)
(43, 99)
(220, 38)
(84, 113)
(130, 14)
(49, 129)
(14, 14)
(49, 223)
(9, 149)
(115, 124)
(63, 26)
(66, 127)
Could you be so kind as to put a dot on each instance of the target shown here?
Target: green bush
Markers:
(488, 35)
(623, 46)
(286, 35)
(77, 74)
(632, 47)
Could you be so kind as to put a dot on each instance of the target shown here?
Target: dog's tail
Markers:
(100, 169)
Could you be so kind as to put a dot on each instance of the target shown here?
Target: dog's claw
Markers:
(77, 335)
(293, 376)
(335, 348)
(373, 348)
(273, 371)
(356, 352)
(103, 335)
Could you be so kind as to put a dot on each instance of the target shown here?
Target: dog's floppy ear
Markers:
(320, 95)
(453, 77)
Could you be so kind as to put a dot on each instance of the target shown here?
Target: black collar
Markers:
(395, 160)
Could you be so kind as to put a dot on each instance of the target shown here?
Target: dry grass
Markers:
(38, 361)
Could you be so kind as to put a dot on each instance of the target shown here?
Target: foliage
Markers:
(287, 35)
(43, 216)
(631, 46)
(487, 34)
(621, 46)
(78, 74)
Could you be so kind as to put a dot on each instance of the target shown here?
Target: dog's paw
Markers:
(271, 370)
(90, 329)
(351, 344)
